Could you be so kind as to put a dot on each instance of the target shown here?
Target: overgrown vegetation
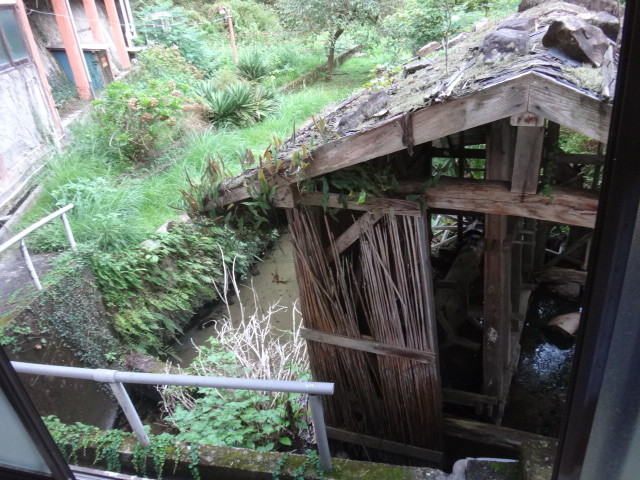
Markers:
(161, 141)
(249, 347)
(75, 440)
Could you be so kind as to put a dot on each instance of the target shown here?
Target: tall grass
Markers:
(117, 206)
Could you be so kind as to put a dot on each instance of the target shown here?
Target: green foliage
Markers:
(333, 18)
(238, 104)
(132, 117)
(12, 335)
(166, 64)
(102, 215)
(74, 440)
(162, 22)
(421, 21)
(354, 183)
(312, 460)
(252, 67)
(239, 418)
(152, 291)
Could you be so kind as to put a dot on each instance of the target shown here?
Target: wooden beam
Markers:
(561, 275)
(351, 234)
(384, 445)
(469, 399)
(527, 159)
(567, 206)
(373, 204)
(500, 144)
(430, 123)
(368, 346)
(487, 434)
(497, 307)
(570, 107)
(497, 270)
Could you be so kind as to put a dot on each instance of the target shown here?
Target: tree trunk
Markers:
(332, 50)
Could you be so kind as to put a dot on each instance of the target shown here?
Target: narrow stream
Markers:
(274, 283)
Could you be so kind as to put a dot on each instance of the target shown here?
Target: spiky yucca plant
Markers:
(253, 68)
(237, 104)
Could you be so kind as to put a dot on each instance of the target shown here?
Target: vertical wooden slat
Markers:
(388, 397)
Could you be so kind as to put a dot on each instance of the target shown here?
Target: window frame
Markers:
(4, 43)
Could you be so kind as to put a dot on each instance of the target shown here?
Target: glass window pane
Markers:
(12, 34)
(4, 58)
(17, 448)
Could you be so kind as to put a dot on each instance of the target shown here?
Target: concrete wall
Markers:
(26, 127)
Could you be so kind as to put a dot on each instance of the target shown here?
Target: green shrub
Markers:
(238, 104)
(168, 25)
(131, 118)
(251, 348)
(253, 68)
(167, 64)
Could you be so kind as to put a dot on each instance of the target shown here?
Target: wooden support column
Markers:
(528, 153)
(64, 18)
(497, 273)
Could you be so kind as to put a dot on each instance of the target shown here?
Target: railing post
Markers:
(317, 416)
(130, 412)
(27, 260)
(68, 232)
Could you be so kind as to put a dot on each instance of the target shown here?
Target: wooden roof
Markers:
(435, 102)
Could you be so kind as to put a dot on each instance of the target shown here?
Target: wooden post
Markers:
(528, 153)
(497, 297)
(232, 35)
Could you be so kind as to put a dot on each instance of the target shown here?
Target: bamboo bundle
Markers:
(379, 291)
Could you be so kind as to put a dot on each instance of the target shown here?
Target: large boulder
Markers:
(429, 48)
(505, 43)
(609, 24)
(577, 39)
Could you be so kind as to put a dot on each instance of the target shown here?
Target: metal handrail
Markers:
(116, 379)
(23, 247)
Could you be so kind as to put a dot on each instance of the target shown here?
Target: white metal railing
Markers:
(23, 247)
(116, 379)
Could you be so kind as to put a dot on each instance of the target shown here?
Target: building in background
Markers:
(52, 52)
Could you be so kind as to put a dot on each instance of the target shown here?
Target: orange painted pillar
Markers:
(23, 20)
(118, 36)
(72, 47)
(94, 21)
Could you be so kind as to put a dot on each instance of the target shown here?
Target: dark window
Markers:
(13, 50)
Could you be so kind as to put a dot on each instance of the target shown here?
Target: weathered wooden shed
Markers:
(362, 184)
